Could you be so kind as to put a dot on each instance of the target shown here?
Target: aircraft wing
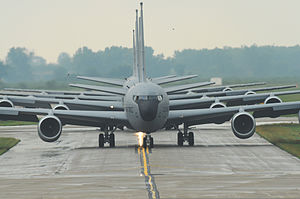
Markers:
(112, 81)
(86, 118)
(234, 100)
(61, 96)
(173, 79)
(204, 116)
(73, 104)
(173, 89)
(221, 88)
(226, 93)
(114, 90)
(23, 91)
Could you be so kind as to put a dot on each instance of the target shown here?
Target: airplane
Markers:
(146, 108)
(100, 105)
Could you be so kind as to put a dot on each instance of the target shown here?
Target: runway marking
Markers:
(145, 171)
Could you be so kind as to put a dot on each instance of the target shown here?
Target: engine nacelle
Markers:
(250, 93)
(272, 99)
(61, 107)
(243, 125)
(217, 105)
(49, 128)
(6, 103)
(227, 89)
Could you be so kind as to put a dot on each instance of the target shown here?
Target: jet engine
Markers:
(272, 99)
(250, 93)
(217, 105)
(61, 107)
(243, 125)
(227, 89)
(6, 103)
(49, 128)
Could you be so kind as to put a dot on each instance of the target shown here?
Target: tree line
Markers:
(250, 62)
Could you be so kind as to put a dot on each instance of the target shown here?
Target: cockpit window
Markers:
(147, 97)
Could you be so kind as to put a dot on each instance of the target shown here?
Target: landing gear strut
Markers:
(185, 136)
(148, 141)
(107, 137)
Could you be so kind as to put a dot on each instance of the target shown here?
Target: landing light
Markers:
(140, 136)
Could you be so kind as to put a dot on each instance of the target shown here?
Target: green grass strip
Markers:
(285, 136)
(7, 143)
(15, 123)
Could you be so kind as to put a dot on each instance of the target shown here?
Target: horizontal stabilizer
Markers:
(220, 88)
(114, 90)
(116, 82)
(173, 89)
(162, 77)
(173, 79)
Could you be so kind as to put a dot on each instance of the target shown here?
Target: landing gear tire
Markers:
(180, 139)
(101, 140)
(151, 142)
(191, 138)
(145, 142)
(148, 141)
(112, 140)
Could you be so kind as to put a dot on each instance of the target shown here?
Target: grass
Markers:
(15, 123)
(7, 143)
(285, 136)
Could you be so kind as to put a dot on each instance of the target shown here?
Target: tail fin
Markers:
(139, 40)
(143, 71)
(134, 69)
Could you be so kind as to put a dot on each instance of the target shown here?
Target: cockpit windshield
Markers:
(147, 98)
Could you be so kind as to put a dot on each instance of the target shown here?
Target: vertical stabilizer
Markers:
(142, 46)
(134, 69)
(137, 46)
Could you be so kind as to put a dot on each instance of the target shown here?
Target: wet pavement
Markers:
(218, 166)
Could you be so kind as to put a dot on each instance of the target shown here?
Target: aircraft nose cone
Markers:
(148, 109)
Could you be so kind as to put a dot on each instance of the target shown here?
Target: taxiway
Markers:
(218, 166)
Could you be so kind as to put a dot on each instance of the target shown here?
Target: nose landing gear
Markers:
(148, 141)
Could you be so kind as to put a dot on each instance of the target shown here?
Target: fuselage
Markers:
(147, 107)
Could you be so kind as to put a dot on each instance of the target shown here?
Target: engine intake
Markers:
(217, 105)
(61, 107)
(6, 103)
(243, 125)
(250, 93)
(49, 128)
(227, 89)
(272, 99)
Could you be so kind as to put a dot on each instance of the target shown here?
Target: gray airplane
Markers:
(146, 107)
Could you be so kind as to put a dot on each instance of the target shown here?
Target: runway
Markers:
(218, 166)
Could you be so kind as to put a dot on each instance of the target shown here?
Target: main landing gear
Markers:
(185, 136)
(148, 141)
(107, 137)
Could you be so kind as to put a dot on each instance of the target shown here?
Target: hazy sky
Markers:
(49, 27)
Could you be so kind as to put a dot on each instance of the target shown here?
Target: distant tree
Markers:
(18, 60)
